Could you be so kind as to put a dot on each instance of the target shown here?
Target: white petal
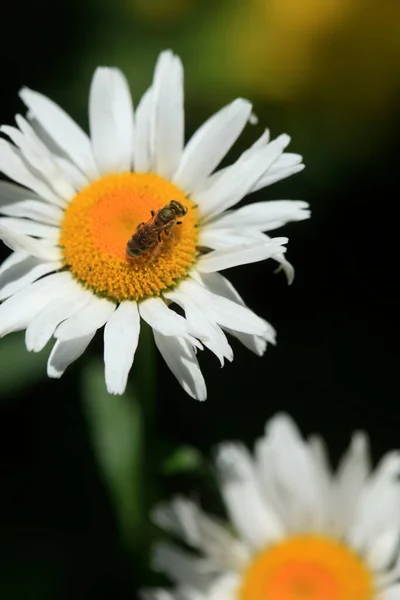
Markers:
(45, 161)
(287, 159)
(181, 359)
(212, 335)
(29, 227)
(17, 311)
(390, 575)
(270, 484)
(383, 548)
(182, 567)
(185, 519)
(121, 336)
(275, 175)
(254, 343)
(159, 594)
(392, 593)
(262, 216)
(168, 116)
(65, 353)
(239, 179)
(71, 172)
(350, 478)
(39, 157)
(219, 260)
(13, 259)
(285, 266)
(42, 327)
(377, 507)
(218, 239)
(143, 150)
(34, 209)
(164, 320)
(11, 192)
(111, 121)
(75, 176)
(220, 310)
(253, 519)
(296, 474)
(210, 143)
(319, 453)
(221, 286)
(260, 143)
(13, 165)
(64, 131)
(227, 587)
(23, 273)
(93, 316)
(22, 243)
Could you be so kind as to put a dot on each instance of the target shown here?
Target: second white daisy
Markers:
(300, 531)
(77, 202)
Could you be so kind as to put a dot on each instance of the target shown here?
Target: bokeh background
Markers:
(80, 469)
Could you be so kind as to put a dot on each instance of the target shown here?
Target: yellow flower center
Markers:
(307, 568)
(101, 219)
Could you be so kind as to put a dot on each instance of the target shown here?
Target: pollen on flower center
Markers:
(307, 568)
(101, 219)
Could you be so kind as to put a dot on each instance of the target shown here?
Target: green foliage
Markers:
(19, 368)
(115, 423)
(184, 459)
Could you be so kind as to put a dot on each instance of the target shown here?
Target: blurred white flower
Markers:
(297, 529)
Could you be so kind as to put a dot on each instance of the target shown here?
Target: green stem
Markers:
(119, 427)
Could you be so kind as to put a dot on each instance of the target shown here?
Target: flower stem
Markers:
(119, 427)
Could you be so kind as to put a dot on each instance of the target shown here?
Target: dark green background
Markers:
(335, 366)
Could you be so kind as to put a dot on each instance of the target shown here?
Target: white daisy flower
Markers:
(298, 530)
(78, 200)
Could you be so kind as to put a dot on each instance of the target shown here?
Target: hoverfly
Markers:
(148, 234)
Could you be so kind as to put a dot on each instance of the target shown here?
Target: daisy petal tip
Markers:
(167, 53)
(282, 140)
(281, 425)
(198, 391)
(115, 391)
(27, 94)
(103, 71)
(53, 373)
(243, 106)
(280, 240)
(299, 168)
(253, 119)
(23, 92)
(115, 388)
(359, 439)
(289, 276)
(30, 346)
